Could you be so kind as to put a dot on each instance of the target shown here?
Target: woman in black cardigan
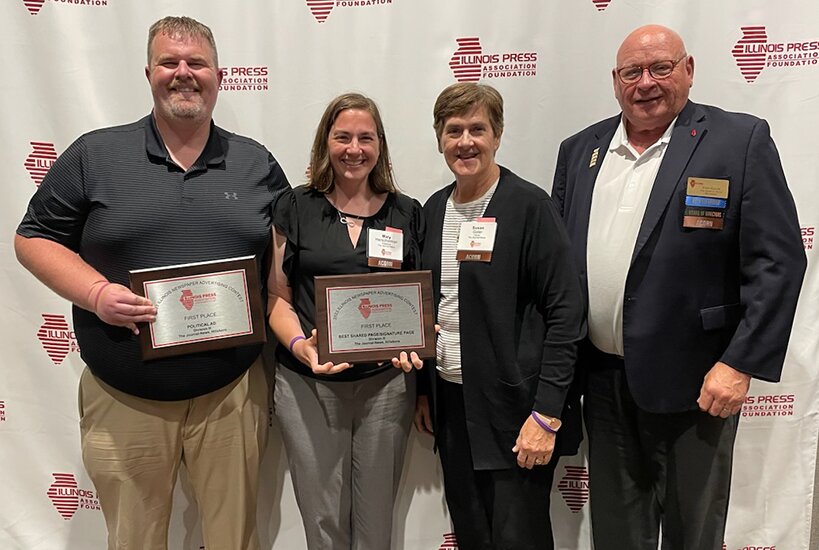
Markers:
(511, 312)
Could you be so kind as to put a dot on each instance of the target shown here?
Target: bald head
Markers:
(650, 103)
(650, 37)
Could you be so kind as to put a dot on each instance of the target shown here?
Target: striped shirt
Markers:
(448, 348)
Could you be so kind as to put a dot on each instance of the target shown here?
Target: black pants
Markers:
(490, 509)
(650, 470)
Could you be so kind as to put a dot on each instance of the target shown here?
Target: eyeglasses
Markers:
(658, 70)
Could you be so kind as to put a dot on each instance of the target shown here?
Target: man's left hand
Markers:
(534, 445)
(723, 390)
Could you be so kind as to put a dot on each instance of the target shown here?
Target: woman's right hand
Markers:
(423, 419)
(306, 351)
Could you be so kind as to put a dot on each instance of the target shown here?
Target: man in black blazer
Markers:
(687, 239)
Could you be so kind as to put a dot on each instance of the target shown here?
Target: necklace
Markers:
(347, 219)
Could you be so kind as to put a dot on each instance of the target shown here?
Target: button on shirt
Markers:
(619, 201)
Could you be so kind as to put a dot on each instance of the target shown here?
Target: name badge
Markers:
(385, 248)
(707, 187)
(702, 222)
(476, 240)
(705, 202)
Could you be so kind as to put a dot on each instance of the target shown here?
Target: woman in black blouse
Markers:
(345, 427)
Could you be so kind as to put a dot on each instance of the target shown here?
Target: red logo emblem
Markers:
(186, 299)
(450, 542)
(466, 61)
(575, 487)
(57, 337)
(601, 5)
(33, 6)
(320, 9)
(39, 161)
(750, 51)
(364, 307)
(469, 63)
(67, 498)
(64, 494)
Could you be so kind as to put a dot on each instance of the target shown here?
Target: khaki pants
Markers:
(132, 449)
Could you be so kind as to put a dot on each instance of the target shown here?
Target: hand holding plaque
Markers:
(201, 306)
(374, 316)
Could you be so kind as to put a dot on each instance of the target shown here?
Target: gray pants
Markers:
(345, 445)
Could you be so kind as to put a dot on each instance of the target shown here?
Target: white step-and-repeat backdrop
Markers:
(74, 65)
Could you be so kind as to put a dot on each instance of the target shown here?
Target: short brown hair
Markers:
(458, 99)
(182, 27)
(321, 176)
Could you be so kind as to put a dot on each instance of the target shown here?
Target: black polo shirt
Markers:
(116, 198)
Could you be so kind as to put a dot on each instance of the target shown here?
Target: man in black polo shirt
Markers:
(169, 189)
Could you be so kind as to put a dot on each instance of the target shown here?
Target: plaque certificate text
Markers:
(374, 316)
(201, 307)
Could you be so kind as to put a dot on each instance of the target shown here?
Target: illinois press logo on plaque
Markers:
(321, 8)
(188, 299)
(470, 63)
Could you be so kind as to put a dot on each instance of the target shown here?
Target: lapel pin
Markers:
(693, 133)
(594, 154)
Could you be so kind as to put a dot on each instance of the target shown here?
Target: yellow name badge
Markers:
(707, 187)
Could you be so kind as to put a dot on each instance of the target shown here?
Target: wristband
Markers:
(97, 293)
(293, 342)
(543, 424)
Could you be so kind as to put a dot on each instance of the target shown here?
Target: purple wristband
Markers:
(294, 340)
(542, 424)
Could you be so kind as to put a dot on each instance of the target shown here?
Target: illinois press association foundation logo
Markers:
(807, 237)
(756, 406)
(469, 63)
(67, 497)
(754, 52)
(367, 308)
(188, 299)
(33, 6)
(82, 2)
(244, 79)
(450, 542)
(321, 8)
(601, 5)
(574, 486)
(2, 410)
(57, 338)
(39, 161)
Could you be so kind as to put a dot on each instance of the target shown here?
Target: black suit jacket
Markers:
(697, 296)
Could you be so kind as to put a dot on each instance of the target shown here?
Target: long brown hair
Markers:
(321, 177)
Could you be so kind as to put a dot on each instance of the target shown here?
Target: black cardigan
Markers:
(522, 315)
